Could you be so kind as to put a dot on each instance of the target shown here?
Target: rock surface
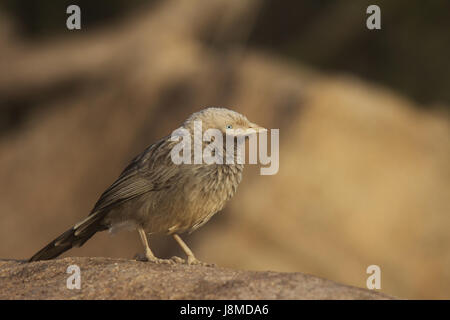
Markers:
(104, 278)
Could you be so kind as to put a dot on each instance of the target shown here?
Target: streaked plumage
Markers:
(154, 195)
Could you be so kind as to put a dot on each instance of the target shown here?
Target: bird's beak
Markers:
(252, 129)
(256, 127)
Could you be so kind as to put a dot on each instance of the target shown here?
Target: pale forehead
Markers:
(218, 114)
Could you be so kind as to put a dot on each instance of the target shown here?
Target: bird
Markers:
(154, 195)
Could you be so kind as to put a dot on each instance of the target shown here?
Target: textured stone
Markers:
(104, 278)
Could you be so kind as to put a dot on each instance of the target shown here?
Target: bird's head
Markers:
(229, 122)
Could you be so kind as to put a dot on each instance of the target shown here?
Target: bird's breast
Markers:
(217, 185)
(196, 199)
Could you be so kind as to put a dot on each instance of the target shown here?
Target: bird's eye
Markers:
(229, 126)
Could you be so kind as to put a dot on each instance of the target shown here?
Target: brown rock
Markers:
(104, 278)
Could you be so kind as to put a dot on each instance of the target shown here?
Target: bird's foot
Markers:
(140, 257)
(145, 258)
(176, 259)
(191, 260)
(194, 261)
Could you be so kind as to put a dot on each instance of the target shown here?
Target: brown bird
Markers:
(156, 196)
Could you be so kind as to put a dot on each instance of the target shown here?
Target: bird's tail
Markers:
(74, 237)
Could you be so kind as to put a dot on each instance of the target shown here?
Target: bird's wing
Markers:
(152, 170)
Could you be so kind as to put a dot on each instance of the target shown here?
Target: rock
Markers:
(105, 278)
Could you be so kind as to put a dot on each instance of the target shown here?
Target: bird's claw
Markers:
(176, 259)
(194, 261)
(140, 257)
(172, 261)
(144, 258)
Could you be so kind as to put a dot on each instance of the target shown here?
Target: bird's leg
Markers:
(148, 252)
(191, 259)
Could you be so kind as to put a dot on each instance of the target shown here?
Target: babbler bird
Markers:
(156, 196)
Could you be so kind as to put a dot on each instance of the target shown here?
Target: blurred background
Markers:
(363, 116)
